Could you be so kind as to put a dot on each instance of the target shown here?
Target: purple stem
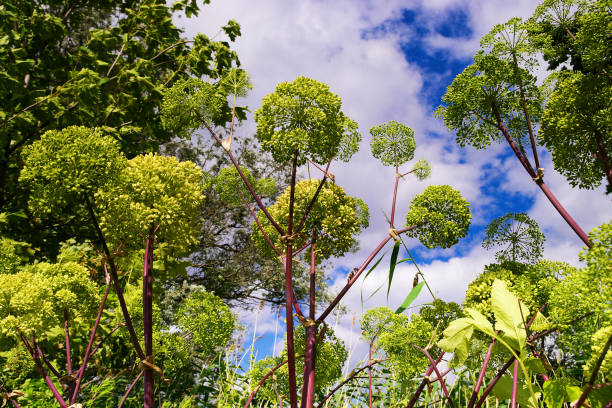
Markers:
(489, 388)
(593, 377)
(129, 390)
(482, 374)
(289, 291)
(562, 211)
(435, 367)
(147, 317)
(424, 382)
(514, 384)
(394, 198)
(115, 280)
(370, 375)
(311, 333)
(89, 345)
(245, 181)
(345, 289)
(67, 342)
(43, 372)
(313, 200)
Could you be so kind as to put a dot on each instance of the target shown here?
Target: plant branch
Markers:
(129, 390)
(433, 363)
(424, 382)
(352, 376)
(593, 377)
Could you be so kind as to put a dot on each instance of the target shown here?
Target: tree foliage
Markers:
(519, 234)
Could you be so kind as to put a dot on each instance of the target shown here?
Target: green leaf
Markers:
(394, 254)
(457, 337)
(508, 316)
(480, 322)
(410, 298)
(534, 365)
(368, 274)
(554, 393)
(503, 391)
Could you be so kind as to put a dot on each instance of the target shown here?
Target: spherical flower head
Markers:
(304, 117)
(442, 217)
(519, 236)
(154, 191)
(65, 166)
(421, 169)
(335, 218)
(392, 143)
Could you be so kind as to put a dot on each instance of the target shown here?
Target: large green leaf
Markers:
(509, 318)
(457, 338)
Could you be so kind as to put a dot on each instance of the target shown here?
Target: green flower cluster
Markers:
(335, 215)
(519, 234)
(393, 143)
(304, 117)
(67, 166)
(395, 335)
(442, 215)
(154, 191)
(228, 185)
(330, 357)
(33, 300)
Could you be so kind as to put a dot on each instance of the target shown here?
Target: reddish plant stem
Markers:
(289, 290)
(350, 378)
(129, 390)
(370, 375)
(81, 370)
(245, 181)
(350, 283)
(514, 384)
(313, 200)
(435, 367)
(603, 157)
(43, 372)
(489, 388)
(525, 111)
(263, 379)
(482, 374)
(37, 348)
(114, 329)
(115, 280)
(397, 177)
(67, 343)
(421, 387)
(593, 377)
(345, 289)
(311, 334)
(307, 245)
(263, 232)
(147, 318)
(560, 209)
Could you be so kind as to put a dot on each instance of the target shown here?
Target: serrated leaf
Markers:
(481, 322)
(508, 316)
(534, 365)
(457, 337)
(410, 298)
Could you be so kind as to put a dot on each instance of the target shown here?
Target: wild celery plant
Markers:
(152, 196)
(496, 98)
(301, 122)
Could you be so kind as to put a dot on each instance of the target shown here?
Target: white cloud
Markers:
(324, 40)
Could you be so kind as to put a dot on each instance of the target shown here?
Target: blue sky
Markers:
(392, 60)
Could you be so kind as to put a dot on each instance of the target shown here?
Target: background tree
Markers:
(519, 234)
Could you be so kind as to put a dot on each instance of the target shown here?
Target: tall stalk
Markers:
(147, 319)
